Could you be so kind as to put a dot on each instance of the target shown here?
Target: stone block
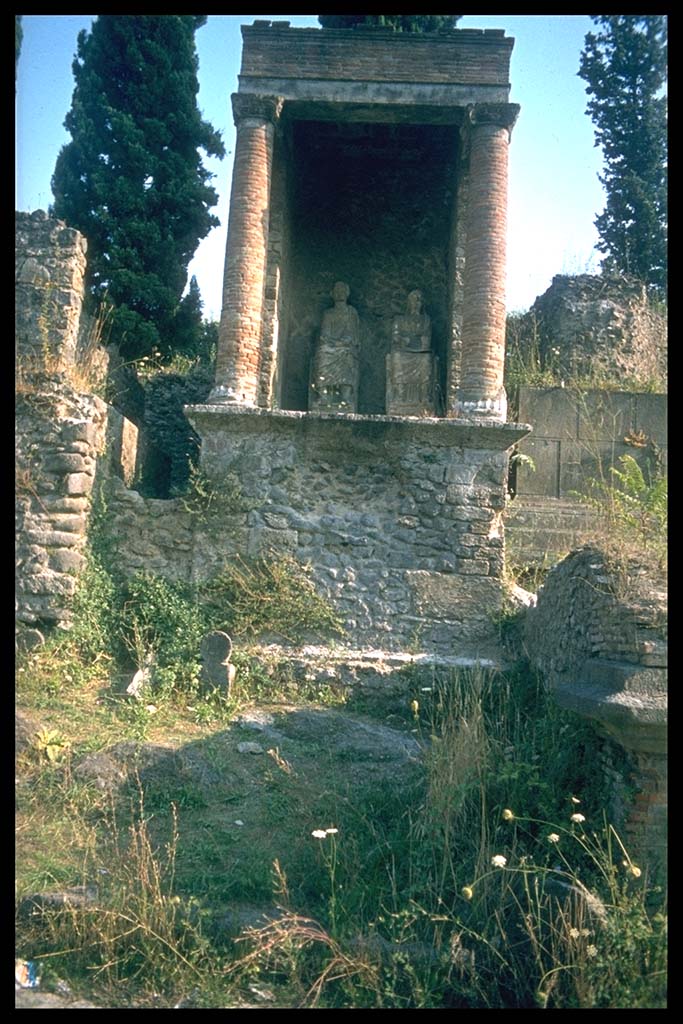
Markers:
(651, 417)
(67, 462)
(122, 444)
(262, 540)
(215, 651)
(66, 560)
(445, 596)
(544, 479)
(552, 411)
(605, 415)
(78, 483)
(582, 463)
(80, 430)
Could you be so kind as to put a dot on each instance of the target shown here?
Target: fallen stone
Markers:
(76, 897)
(30, 999)
(25, 729)
(249, 748)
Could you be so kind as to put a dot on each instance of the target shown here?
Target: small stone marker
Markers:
(215, 651)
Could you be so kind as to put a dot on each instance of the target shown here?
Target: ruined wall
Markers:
(577, 438)
(50, 260)
(598, 634)
(372, 207)
(171, 445)
(62, 435)
(597, 326)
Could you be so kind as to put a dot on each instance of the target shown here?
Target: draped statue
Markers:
(334, 373)
(411, 365)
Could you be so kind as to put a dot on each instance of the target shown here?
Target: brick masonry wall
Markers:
(483, 329)
(238, 361)
(467, 57)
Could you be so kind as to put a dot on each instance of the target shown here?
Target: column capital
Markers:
(249, 106)
(500, 115)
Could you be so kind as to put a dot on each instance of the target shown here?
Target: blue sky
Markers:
(554, 193)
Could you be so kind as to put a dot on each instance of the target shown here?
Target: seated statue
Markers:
(411, 364)
(412, 332)
(334, 373)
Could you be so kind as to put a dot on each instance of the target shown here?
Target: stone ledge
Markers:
(459, 433)
(368, 669)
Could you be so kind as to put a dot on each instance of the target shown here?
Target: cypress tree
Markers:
(132, 179)
(624, 65)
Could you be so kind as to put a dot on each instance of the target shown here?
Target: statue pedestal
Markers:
(411, 384)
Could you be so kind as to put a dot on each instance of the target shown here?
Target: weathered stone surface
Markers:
(249, 747)
(363, 500)
(78, 483)
(25, 730)
(599, 325)
(66, 560)
(49, 269)
(579, 436)
(30, 999)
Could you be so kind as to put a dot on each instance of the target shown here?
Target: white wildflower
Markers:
(499, 861)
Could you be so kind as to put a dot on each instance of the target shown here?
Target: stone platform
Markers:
(399, 518)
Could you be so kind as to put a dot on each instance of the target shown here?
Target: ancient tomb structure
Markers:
(359, 396)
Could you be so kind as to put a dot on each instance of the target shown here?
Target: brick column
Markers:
(481, 392)
(239, 342)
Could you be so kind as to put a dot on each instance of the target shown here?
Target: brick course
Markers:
(461, 56)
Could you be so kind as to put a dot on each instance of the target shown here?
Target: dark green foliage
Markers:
(624, 65)
(18, 36)
(132, 178)
(397, 22)
(163, 619)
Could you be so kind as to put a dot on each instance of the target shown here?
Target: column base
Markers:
(483, 408)
(222, 394)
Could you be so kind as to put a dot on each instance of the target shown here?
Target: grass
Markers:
(400, 907)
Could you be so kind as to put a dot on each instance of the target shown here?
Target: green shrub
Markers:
(267, 595)
(633, 510)
(162, 622)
